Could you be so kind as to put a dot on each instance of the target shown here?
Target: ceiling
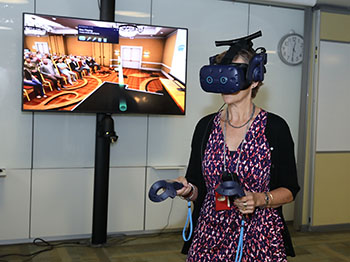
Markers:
(337, 3)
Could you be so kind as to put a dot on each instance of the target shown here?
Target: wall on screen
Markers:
(169, 52)
(178, 65)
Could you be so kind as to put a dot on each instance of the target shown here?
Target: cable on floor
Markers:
(39, 242)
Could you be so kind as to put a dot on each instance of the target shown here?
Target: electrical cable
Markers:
(168, 219)
(41, 243)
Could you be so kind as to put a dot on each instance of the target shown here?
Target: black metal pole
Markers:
(101, 183)
(107, 10)
(104, 136)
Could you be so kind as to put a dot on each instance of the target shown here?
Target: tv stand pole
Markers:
(105, 135)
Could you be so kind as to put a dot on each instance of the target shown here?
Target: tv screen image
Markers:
(91, 66)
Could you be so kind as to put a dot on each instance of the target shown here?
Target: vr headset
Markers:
(227, 77)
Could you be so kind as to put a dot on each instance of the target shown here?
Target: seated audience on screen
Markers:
(74, 65)
(30, 80)
(48, 71)
(32, 67)
(63, 68)
(83, 64)
(92, 63)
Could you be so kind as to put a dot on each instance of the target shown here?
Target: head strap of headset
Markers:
(236, 45)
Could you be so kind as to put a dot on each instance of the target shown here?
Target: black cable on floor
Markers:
(39, 242)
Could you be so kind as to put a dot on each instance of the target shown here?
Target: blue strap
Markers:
(239, 252)
(189, 219)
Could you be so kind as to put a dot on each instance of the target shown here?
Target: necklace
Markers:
(250, 118)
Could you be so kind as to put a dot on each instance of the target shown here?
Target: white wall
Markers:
(50, 156)
(333, 99)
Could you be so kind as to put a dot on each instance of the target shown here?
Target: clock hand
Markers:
(293, 50)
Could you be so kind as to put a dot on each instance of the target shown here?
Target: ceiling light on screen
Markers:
(129, 30)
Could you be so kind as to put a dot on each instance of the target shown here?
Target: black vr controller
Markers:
(227, 77)
(230, 186)
(168, 188)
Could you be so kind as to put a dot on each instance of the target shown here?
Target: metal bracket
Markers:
(2, 172)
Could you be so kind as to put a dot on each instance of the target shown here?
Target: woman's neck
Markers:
(240, 112)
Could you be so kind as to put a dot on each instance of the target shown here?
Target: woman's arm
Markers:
(271, 199)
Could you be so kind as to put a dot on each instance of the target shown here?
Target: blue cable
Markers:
(240, 243)
(189, 219)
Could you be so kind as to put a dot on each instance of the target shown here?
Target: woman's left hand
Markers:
(248, 203)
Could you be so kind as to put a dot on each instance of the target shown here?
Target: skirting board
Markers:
(110, 235)
(325, 228)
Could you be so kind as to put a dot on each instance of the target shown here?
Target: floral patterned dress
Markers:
(217, 233)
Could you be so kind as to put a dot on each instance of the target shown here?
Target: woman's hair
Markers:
(246, 55)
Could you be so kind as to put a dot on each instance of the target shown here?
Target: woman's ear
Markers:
(255, 84)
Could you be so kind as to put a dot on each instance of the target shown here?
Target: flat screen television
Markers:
(91, 66)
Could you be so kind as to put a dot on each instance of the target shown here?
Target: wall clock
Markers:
(291, 49)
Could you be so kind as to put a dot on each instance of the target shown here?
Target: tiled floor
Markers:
(309, 246)
(321, 247)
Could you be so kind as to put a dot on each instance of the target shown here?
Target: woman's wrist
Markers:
(264, 199)
(267, 200)
(260, 200)
(189, 193)
(192, 195)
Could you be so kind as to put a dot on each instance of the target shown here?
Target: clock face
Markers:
(290, 49)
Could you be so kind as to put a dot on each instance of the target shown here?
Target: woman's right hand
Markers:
(186, 188)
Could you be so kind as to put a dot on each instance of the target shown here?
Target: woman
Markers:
(258, 147)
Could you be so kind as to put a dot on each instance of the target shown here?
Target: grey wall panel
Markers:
(126, 199)
(130, 149)
(14, 204)
(170, 137)
(62, 201)
(68, 140)
(15, 126)
(83, 9)
(133, 11)
(63, 140)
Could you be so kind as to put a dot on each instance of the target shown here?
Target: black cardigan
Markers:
(283, 167)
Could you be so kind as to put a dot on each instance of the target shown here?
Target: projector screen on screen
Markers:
(91, 66)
